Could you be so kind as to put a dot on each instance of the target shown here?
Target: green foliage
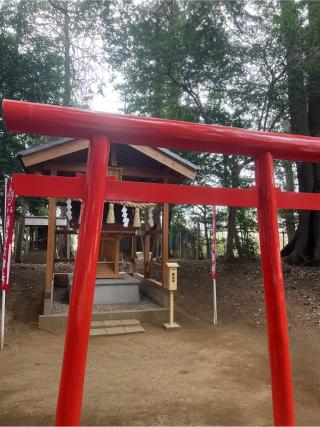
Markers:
(29, 70)
(47, 56)
(247, 242)
(171, 52)
(210, 62)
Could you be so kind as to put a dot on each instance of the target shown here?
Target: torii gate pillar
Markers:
(80, 310)
(282, 390)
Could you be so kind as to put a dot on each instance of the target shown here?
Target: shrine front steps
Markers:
(55, 322)
(115, 327)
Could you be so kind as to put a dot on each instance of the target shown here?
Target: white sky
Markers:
(108, 102)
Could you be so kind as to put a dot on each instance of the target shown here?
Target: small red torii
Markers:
(95, 188)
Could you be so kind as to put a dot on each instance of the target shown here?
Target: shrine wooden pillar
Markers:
(27, 240)
(51, 244)
(165, 239)
(146, 246)
(134, 253)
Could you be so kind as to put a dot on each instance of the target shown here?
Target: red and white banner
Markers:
(214, 245)
(8, 234)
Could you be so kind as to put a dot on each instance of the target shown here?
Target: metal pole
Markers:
(80, 310)
(215, 311)
(282, 389)
(3, 302)
(214, 265)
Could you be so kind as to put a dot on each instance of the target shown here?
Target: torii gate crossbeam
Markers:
(95, 188)
(66, 187)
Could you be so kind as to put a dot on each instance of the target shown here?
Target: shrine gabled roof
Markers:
(32, 156)
(61, 141)
(179, 158)
(43, 147)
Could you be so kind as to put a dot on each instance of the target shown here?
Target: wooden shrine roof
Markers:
(70, 155)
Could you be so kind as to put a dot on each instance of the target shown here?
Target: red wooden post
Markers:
(80, 310)
(282, 390)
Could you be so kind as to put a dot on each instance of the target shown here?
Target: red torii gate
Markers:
(95, 187)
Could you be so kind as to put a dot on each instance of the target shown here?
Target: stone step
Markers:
(114, 323)
(98, 332)
(115, 327)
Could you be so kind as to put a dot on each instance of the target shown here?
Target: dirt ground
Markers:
(198, 375)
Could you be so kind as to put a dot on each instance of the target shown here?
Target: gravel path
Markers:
(60, 304)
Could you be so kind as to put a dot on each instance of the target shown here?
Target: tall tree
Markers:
(50, 53)
(178, 61)
(29, 70)
(303, 70)
(75, 27)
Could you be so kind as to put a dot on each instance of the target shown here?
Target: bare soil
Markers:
(198, 375)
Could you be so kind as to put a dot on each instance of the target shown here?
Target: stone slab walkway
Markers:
(115, 327)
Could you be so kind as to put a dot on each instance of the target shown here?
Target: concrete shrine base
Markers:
(123, 290)
(148, 301)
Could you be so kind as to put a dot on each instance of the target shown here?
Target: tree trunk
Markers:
(20, 237)
(289, 186)
(314, 112)
(303, 246)
(67, 58)
(197, 240)
(67, 78)
(235, 168)
(314, 68)
(232, 213)
(207, 239)
(206, 233)
(299, 248)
